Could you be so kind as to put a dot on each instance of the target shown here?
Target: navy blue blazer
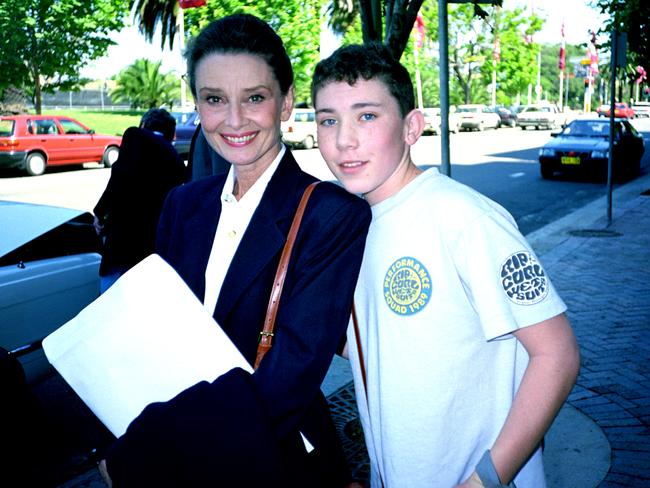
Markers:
(313, 314)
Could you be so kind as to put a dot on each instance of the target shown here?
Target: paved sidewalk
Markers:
(601, 437)
(604, 277)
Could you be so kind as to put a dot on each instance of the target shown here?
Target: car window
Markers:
(45, 126)
(587, 128)
(304, 117)
(75, 236)
(71, 127)
(6, 128)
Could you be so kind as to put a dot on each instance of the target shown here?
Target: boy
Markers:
(468, 355)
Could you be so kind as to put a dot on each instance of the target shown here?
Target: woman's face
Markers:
(241, 108)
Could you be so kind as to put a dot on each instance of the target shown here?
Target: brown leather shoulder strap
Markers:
(266, 335)
(362, 361)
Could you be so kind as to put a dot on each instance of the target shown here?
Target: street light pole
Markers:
(181, 35)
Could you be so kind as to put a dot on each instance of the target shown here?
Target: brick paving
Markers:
(605, 282)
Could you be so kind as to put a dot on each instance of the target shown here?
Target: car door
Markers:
(80, 146)
(46, 134)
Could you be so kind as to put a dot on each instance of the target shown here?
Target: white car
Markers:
(541, 116)
(49, 271)
(477, 116)
(300, 129)
(432, 121)
(641, 109)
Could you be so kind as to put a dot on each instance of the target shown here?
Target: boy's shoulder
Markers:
(447, 203)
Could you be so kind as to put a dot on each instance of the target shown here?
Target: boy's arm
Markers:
(548, 379)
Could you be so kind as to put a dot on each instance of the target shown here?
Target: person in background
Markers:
(127, 213)
(462, 355)
(224, 234)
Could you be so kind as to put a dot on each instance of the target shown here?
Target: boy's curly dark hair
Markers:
(367, 61)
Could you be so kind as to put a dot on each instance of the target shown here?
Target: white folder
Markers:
(146, 339)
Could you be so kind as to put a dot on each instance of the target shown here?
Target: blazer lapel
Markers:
(264, 237)
(202, 227)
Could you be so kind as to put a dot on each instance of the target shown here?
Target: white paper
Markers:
(146, 339)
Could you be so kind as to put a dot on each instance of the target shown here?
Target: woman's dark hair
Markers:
(240, 34)
(367, 61)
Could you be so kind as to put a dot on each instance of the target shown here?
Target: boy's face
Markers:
(363, 138)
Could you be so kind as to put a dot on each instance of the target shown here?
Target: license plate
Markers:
(570, 160)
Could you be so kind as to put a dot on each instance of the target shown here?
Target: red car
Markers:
(621, 110)
(34, 142)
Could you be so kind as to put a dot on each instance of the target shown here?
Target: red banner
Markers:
(562, 62)
(419, 35)
(191, 3)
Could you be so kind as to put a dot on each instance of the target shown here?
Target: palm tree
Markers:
(143, 85)
(397, 15)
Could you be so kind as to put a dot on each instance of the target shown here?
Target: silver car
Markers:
(49, 271)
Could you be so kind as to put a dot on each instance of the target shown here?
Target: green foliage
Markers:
(632, 17)
(142, 85)
(45, 43)
(296, 22)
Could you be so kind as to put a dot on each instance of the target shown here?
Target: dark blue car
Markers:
(185, 127)
(583, 145)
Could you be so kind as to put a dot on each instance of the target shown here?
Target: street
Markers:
(502, 164)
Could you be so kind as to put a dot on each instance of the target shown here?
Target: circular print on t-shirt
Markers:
(407, 286)
(523, 279)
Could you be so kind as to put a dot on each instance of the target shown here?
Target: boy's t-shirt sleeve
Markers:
(503, 278)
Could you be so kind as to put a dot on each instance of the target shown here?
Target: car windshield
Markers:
(6, 128)
(468, 109)
(40, 232)
(587, 128)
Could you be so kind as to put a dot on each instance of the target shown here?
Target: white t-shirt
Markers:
(446, 277)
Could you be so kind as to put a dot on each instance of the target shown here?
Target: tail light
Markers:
(9, 143)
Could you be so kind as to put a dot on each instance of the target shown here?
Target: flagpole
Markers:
(562, 66)
(181, 36)
(561, 90)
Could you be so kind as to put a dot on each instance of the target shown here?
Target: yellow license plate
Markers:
(570, 160)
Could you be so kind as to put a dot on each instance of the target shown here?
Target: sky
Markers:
(577, 16)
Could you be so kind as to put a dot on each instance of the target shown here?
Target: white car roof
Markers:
(22, 222)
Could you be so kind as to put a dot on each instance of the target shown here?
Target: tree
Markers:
(45, 43)
(632, 17)
(142, 85)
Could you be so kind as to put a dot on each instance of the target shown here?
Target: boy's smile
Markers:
(364, 139)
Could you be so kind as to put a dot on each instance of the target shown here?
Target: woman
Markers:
(224, 235)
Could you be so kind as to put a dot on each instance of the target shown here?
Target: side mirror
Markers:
(91, 131)
(555, 133)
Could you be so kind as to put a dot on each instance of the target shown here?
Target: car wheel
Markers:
(308, 143)
(110, 156)
(35, 164)
(546, 171)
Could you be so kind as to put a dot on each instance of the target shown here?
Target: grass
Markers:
(103, 122)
